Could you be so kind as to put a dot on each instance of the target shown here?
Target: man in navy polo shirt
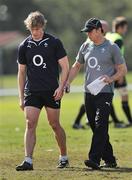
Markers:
(39, 58)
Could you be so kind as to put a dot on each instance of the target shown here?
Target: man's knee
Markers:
(123, 92)
(30, 123)
(55, 125)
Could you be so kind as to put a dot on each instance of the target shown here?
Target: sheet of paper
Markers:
(96, 86)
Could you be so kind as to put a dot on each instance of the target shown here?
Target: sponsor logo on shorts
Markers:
(57, 102)
(107, 103)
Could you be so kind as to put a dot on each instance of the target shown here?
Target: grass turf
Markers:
(12, 125)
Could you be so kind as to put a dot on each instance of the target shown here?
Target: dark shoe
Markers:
(109, 165)
(92, 164)
(129, 125)
(78, 126)
(25, 166)
(63, 164)
(120, 125)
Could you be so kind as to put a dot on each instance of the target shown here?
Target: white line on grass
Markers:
(73, 89)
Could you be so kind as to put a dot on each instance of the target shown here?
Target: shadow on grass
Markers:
(118, 169)
(79, 169)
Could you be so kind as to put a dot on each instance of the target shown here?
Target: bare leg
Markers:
(53, 118)
(125, 104)
(32, 115)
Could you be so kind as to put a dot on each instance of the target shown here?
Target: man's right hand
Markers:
(21, 103)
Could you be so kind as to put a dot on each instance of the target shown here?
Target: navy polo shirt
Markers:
(41, 58)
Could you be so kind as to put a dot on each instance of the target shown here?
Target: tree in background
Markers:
(12, 13)
(66, 18)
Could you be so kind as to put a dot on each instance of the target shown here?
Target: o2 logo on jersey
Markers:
(39, 61)
(93, 63)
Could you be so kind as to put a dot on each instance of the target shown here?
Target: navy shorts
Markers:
(40, 99)
(123, 84)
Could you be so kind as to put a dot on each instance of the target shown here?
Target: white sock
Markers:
(29, 160)
(63, 158)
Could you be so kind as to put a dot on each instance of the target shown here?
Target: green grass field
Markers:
(12, 125)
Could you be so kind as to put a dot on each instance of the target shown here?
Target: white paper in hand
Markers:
(96, 86)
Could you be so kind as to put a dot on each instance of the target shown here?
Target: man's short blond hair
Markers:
(35, 19)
